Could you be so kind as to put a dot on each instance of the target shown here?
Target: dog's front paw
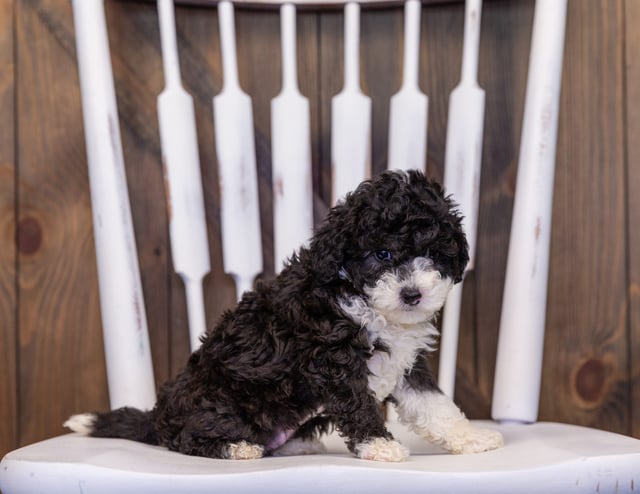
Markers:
(475, 441)
(243, 450)
(380, 449)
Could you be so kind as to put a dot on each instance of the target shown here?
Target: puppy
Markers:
(344, 328)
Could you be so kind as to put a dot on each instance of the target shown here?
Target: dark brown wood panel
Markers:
(330, 77)
(8, 368)
(308, 58)
(380, 32)
(632, 106)
(61, 353)
(585, 378)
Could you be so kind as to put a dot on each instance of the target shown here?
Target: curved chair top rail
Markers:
(307, 3)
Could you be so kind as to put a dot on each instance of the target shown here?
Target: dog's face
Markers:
(404, 293)
(398, 243)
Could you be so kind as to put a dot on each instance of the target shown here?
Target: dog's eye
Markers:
(383, 255)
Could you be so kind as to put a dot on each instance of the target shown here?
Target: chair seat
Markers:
(542, 457)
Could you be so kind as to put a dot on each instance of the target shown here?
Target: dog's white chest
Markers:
(384, 374)
(388, 368)
(402, 344)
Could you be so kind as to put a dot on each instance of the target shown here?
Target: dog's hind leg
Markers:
(217, 448)
(243, 450)
(215, 436)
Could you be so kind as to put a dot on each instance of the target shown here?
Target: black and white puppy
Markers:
(345, 327)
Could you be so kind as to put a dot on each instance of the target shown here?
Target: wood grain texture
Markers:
(306, 4)
(381, 31)
(8, 357)
(330, 77)
(308, 60)
(585, 378)
(61, 352)
(632, 100)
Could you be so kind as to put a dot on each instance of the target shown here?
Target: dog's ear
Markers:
(462, 258)
(459, 252)
(329, 248)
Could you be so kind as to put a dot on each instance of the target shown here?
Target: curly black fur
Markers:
(287, 351)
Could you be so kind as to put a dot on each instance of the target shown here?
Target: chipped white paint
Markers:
(124, 322)
(409, 106)
(291, 152)
(350, 116)
(463, 157)
(185, 200)
(519, 358)
(235, 146)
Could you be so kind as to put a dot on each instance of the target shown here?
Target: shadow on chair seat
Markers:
(542, 457)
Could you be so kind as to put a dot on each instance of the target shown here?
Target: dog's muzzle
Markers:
(410, 296)
(411, 293)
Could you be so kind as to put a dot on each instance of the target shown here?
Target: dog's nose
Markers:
(410, 296)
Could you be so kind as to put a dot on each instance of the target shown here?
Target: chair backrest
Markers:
(122, 304)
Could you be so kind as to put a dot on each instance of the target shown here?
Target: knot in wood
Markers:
(29, 236)
(590, 380)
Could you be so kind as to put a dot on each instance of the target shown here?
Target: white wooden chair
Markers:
(537, 457)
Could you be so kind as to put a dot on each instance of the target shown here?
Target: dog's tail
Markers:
(123, 423)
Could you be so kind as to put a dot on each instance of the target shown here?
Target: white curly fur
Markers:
(404, 330)
(385, 296)
(243, 450)
(403, 342)
(436, 417)
(81, 423)
(380, 449)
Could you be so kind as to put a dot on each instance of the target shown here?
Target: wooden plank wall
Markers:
(632, 107)
(8, 335)
(51, 348)
(588, 342)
